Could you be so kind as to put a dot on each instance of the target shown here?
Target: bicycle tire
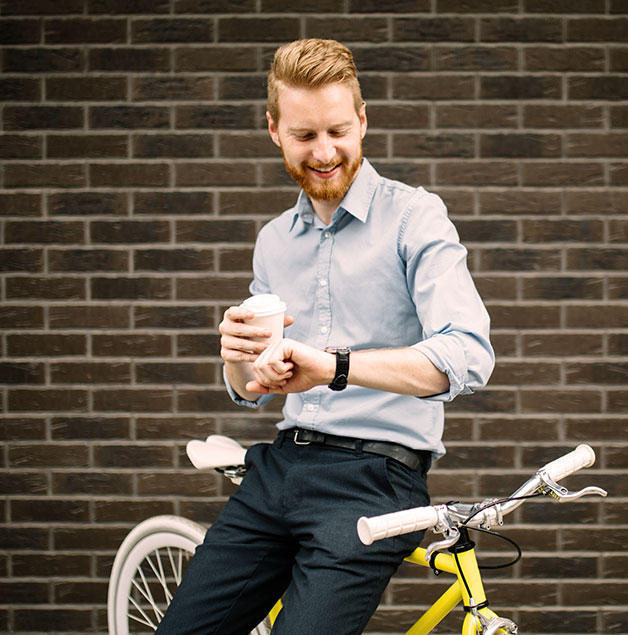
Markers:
(146, 571)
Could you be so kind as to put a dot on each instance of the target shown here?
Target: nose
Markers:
(324, 150)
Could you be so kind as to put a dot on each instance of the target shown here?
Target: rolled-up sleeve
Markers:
(454, 321)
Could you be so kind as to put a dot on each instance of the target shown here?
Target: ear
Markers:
(363, 121)
(272, 130)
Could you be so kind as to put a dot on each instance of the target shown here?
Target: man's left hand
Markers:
(290, 366)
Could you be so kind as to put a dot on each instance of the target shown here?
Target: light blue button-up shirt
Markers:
(388, 272)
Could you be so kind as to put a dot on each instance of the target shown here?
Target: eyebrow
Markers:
(302, 129)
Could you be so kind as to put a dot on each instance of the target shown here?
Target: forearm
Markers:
(402, 370)
(238, 374)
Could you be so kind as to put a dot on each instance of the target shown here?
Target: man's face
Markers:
(320, 136)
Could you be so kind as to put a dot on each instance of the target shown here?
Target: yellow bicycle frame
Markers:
(454, 594)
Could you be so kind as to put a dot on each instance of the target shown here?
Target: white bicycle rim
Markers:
(146, 571)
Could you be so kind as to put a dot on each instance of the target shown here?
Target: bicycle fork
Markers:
(467, 588)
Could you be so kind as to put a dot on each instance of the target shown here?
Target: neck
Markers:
(325, 209)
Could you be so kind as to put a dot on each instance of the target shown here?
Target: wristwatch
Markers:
(339, 381)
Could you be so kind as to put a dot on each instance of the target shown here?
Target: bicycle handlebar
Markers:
(418, 518)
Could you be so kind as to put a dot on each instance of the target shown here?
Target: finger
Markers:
(288, 320)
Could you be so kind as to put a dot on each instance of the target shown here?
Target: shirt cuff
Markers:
(455, 360)
(241, 401)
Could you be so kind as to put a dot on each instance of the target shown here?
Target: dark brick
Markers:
(515, 145)
(20, 32)
(42, 60)
(21, 373)
(503, 29)
(135, 345)
(120, 288)
(72, 428)
(476, 173)
(259, 202)
(235, 259)
(560, 174)
(218, 116)
(174, 260)
(215, 58)
(348, 29)
(21, 317)
(138, 456)
(79, 88)
(215, 231)
(179, 317)
(37, 175)
(131, 510)
(180, 145)
(42, 7)
(128, 117)
(215, 173)
(19, 89)
(606, 87)
(593, 145)
(181, 203)
(45, 344)
(127, 6)
(562, 230)
(88, 146)
(391, 58)
(597, 259)
(47, 400)
(87, 203)
(85, 31)
(194, 345)
(20, 147)
(42, 117)
(44, 232)
(129, 232)
(526, 259)
(261, 29)
(520, 202)
(137, 59)
(524, 317)
(90, 373)
(48, 455)
(398, 116)
(433, 87)
(19, 204)
(82, 260)
(184, 88)
(563, 288)
(597, 29)
(517, 87)
(213, 288)
(564, 59)
(175, 373)
(129, 175)
(161, 30)
(476, 58)
(130, 400)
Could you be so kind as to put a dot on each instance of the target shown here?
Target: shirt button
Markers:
(323, 329)
(310, 407)
(323, 283)
(327, 234)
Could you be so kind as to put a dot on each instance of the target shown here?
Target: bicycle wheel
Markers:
(146, 571)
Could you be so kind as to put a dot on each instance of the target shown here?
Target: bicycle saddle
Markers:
(216, 451)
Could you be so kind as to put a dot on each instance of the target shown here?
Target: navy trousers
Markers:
(290, 530)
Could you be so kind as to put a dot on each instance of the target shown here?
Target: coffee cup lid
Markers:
(265, 304)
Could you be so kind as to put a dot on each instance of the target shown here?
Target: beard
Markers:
(324, 190)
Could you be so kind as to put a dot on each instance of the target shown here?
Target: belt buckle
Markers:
(296, 439)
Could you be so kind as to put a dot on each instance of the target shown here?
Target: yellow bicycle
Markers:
(150, 562)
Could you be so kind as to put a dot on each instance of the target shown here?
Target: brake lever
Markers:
(549, 487)
(446, 527)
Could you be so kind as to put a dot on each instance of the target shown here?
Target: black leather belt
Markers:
(414, 459)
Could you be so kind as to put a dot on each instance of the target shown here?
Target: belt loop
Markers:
(358, 446)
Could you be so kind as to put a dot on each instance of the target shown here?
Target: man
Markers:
(366, 264)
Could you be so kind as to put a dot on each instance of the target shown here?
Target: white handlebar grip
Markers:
(582, 456)
(403, 522)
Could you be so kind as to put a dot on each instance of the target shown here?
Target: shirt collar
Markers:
(357, 200)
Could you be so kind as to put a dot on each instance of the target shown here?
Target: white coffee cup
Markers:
(269, 313)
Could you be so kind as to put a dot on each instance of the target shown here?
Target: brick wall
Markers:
(136, 173)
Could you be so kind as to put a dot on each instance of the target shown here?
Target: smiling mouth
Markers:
(325, 171)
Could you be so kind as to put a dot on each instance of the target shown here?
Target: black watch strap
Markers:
(342, 367)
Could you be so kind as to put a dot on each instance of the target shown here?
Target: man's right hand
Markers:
(242, 342)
